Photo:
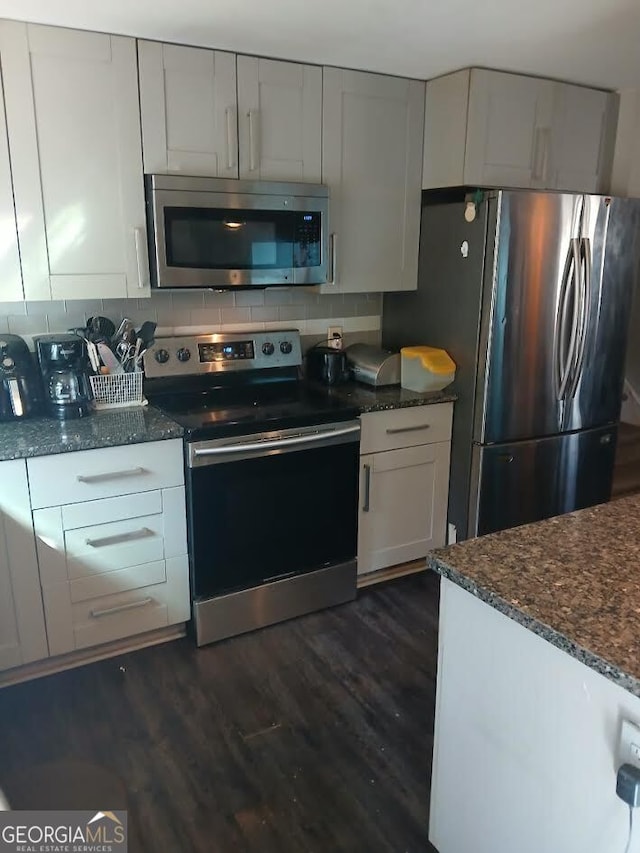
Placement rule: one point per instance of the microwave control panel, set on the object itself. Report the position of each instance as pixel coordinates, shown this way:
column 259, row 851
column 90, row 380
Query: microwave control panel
column 307, row 249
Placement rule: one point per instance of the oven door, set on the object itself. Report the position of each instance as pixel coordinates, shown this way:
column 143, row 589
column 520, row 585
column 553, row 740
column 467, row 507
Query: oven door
column 271, row 506
column 236, row 239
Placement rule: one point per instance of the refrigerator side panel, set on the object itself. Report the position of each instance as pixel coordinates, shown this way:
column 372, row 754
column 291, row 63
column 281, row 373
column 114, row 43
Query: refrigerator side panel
column 530, row 480
column 611, row 258
column 532, row 270
column 445, row 312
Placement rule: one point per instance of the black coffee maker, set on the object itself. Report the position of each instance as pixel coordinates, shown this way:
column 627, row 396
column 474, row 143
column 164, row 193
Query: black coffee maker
column 20, row 389
column 64, row 366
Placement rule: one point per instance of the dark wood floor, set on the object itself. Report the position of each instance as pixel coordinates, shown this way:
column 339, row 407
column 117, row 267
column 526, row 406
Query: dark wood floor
column 314, row 735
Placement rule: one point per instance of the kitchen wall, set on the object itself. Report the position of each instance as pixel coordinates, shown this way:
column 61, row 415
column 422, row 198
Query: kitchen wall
column 175, row 313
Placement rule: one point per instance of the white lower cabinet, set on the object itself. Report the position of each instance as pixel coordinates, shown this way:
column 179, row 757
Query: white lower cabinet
column 111, row 565
column 404, row 486
column 22, row 630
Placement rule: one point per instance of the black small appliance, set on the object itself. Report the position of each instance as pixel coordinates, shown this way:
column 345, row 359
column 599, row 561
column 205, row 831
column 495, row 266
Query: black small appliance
column 64, row 365
column 20, row 390
column 327, row 365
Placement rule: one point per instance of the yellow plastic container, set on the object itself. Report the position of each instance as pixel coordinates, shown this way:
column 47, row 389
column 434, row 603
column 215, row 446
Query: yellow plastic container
column 426, row 368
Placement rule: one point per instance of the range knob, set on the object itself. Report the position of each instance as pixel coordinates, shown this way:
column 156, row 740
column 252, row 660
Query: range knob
column 183, row 354
column 162, row 356
column 286, row 347
column 8, row 362
column 3, row 346
column 268, row 348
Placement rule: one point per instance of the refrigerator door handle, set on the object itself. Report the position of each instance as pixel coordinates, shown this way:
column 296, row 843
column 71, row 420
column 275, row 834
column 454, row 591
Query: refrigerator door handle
column 584, row 300
column 566, row 349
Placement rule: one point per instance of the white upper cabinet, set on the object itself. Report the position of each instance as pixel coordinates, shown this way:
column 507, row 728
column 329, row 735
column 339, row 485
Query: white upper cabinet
column 491, row 128
column 279, row 120
column 196, row 120
column 188, row 107
column 507, row 130
column 10, row 271
column 584, row 135
column 372, row 132
column 22, row 631
column 74, row 137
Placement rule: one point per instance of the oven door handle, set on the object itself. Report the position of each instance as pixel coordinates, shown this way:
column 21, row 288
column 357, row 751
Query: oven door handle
column 274, row 443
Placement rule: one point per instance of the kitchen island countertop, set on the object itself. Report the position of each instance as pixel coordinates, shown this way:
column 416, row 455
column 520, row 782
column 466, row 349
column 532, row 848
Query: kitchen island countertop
column 573, row 580
column 367, row 398
column 45, row 436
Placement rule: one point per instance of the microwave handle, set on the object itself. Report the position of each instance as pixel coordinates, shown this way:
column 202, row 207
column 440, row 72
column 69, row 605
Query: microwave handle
column 232, row 139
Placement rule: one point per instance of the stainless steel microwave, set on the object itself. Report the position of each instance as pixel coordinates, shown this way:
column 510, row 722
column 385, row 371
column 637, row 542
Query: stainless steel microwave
column 220, row 233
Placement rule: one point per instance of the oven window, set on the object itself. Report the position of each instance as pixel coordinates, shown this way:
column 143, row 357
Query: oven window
column 260, row 519
column 204, row 238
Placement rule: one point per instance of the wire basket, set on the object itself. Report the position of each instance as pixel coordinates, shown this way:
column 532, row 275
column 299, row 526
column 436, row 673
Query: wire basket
column 117, row 390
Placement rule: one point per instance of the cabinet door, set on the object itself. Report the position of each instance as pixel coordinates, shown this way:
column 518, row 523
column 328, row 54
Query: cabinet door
column 372, row 129
column 188, row 108
column 581, row 118
column 22, row 633
column 403, row 505
column 10, row 272
column 279, row 120
column 508, row 130
column 74, row 136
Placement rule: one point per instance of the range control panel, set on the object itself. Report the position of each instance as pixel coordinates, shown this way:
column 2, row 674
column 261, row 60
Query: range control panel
column 224, row 351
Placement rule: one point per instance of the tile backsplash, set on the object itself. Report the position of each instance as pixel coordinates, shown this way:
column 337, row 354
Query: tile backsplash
column 175, row 312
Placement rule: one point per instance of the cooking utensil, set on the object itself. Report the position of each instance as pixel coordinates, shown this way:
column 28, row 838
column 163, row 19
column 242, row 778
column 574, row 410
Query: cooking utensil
column 109, row 359
column 147, row 332
column 100, row 328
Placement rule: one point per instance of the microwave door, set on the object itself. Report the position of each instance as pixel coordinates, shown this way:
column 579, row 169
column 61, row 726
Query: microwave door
column 224, row 240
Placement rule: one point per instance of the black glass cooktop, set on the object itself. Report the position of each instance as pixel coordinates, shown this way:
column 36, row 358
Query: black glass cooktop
column 217, row 412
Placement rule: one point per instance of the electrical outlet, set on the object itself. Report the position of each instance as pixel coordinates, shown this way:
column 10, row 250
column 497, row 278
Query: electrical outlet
column 334, row 337
column 629, row 746
column 452, row 534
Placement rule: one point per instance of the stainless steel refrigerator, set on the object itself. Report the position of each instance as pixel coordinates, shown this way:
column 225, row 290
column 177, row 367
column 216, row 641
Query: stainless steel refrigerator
column 530, row 293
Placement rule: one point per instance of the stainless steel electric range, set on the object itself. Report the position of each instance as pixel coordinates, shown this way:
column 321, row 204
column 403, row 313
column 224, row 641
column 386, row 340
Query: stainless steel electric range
column 271, row 474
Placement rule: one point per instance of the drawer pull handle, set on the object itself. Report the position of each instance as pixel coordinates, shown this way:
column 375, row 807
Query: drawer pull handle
column 120, row 537
column 110, row 475
column 396, row 430
column 132, row 605
column 367, row 488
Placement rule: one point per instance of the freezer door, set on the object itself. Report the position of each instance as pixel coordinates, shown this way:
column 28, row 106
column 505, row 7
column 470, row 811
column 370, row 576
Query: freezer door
column 534, row 279
column 530, row 480
column 609, row 259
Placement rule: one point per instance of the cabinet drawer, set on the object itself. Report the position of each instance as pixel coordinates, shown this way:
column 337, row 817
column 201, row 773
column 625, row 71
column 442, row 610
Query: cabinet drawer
column 108, row 547
column 405, row 427
column 112, row 617
column 90, row 474
column 97, row 609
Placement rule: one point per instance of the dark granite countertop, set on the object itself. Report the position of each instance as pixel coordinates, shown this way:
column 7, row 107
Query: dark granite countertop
column 44, row 436
column 573, row 580
column 369, row 399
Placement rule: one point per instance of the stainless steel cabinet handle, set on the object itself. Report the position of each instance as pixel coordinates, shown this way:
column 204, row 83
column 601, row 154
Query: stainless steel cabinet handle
column 110, row 475
column 232, row 142
column 254, row 133
column 132, row 605
column 367, row 488
column 396, row 430
column 333, row 256
column 142, row 260
column 120, row 537
column 540, row 166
